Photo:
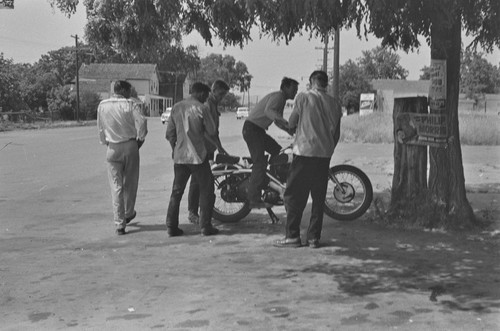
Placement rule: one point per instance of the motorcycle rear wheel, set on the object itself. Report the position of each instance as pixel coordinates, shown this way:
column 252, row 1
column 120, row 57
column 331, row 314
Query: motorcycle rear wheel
column 224, row 211
column 352, row 197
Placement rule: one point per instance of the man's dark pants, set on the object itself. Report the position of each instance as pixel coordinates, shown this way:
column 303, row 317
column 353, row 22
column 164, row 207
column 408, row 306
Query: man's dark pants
column 258, row 142
column 203, row 175
column 194, row 192
column 307, row 174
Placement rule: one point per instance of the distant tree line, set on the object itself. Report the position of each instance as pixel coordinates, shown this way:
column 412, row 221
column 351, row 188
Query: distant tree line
column 46, row 85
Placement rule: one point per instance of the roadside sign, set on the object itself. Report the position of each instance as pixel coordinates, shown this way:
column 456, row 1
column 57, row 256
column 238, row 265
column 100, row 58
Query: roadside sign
column 366, row 103
column 423, row 129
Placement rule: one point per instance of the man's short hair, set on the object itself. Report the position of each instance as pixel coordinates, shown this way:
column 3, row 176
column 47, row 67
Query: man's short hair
column 199, row 87
column 121, row 85
column 221, row 85
column 320, row 76
column 287, row 82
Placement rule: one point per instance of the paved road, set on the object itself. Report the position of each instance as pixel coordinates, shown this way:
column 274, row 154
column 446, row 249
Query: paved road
column 62, row 267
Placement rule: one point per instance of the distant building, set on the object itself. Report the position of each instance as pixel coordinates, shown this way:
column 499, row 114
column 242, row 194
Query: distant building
column 390, row 89
column 144, row 77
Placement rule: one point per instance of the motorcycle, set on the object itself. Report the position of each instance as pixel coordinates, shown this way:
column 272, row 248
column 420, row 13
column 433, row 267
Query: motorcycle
column 349, row 192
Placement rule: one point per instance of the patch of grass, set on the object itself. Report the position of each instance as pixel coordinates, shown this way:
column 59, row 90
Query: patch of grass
column 475, row 129
column 371, row 128
column 479, row 129
column 10, row 126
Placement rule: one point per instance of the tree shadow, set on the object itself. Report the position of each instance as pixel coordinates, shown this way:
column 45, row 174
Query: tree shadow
column 462, row 268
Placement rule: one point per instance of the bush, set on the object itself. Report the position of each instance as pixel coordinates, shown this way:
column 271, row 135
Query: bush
column 89, row 101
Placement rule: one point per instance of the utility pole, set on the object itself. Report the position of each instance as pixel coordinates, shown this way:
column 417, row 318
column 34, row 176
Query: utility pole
column 336, row 60
column 325, row 53
column 77, row 80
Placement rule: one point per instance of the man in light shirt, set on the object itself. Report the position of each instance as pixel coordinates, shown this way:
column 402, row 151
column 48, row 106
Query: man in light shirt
column 316, row 117
column 123, row 128
column 268, row 110
column 188, row 125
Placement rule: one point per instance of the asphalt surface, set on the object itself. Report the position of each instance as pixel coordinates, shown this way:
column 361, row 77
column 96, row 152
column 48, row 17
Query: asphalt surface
column 62, row 266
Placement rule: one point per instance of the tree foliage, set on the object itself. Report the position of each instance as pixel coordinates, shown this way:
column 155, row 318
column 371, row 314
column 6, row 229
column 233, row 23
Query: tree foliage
column 9, row 85
column 146, row 31
column 397, row 23
column 89, row 101
column 355, row 77
column 63, row 102
column 225, row 67
column 352, row 82
column 382, row 63
column 477, row 75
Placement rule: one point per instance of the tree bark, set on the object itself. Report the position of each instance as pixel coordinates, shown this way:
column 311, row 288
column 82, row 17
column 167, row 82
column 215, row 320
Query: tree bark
column 410, row 161
column 446, row 173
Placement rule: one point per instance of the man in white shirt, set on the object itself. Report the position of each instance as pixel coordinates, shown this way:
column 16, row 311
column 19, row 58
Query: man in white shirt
column 122, row 128
column 316, row 117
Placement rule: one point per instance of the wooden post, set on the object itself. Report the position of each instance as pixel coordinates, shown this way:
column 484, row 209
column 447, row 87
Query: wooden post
column 410, row 161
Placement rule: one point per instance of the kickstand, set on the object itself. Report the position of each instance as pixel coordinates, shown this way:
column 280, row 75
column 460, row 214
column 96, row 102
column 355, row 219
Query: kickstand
column 274, row 218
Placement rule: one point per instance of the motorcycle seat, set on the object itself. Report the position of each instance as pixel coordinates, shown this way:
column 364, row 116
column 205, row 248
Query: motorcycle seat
column 279, row 159
column 225, row 158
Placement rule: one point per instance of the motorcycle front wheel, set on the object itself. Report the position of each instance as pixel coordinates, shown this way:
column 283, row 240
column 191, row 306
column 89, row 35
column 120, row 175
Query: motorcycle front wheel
column 349, row 193
column 226, row 211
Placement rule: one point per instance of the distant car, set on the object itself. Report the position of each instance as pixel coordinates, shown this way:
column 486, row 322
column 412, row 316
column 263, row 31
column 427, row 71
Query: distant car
column 242, row 112
column 166, row 115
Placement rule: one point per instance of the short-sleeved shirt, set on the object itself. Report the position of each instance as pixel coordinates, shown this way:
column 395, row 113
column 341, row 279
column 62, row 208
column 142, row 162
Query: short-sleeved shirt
column 316, row 115
column 189, row 121
column 268, row 109
column 119, row 120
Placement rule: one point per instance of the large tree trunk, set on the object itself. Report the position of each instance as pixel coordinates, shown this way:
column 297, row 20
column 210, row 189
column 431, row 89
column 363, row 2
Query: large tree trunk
column 446, row 173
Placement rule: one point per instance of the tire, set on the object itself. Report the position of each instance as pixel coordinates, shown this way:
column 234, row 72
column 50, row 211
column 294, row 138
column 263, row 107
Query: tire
column 355, row 198
column 224, row 211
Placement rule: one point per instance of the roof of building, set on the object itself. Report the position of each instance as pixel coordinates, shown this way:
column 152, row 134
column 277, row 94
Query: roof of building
column 402, row 87
column 115, row 71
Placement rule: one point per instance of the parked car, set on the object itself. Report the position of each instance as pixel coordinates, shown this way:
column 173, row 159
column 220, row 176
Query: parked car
column 242, row 112
column 166, row 115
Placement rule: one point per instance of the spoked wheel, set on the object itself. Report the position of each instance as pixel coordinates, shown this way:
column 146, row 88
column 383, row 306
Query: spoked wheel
column 226, row 210
column 349, row 193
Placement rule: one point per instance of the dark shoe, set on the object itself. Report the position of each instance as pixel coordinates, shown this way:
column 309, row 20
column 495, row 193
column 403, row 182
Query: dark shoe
column 288, row 242
column 258, row 204
column 210, row 231
column 193, row 218
column 174, row 232
column 120, row 232
column 313, row 243
column 129, row 219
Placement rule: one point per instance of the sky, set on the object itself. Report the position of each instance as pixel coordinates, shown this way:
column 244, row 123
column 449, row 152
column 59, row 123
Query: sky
column 33, row 28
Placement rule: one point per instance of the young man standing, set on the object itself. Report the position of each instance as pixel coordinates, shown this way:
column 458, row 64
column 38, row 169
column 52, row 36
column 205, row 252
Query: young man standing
column 219, row 91
column 122, row 127
column 316, row 117
column 189, row 123
column 268, row 110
